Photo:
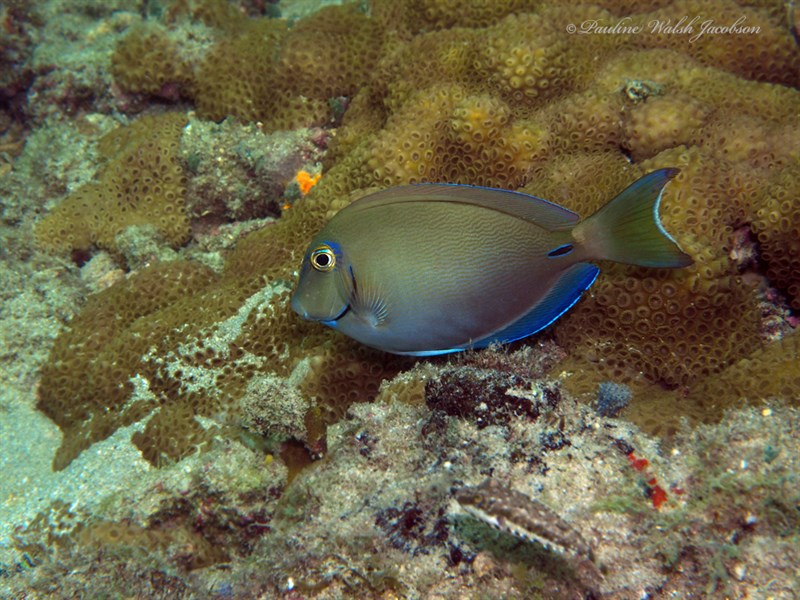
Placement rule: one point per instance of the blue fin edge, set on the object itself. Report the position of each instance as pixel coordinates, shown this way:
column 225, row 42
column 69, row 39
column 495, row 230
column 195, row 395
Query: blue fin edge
column 563, row 296
column 565, row 293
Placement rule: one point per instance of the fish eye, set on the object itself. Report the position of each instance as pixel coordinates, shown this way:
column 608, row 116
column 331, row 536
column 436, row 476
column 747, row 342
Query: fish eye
column 323, row 259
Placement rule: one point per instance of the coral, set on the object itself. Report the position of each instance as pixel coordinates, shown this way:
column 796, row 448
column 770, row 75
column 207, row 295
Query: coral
column 587, row 122
column 180, row 370
column 525, row 60
column 612, row 398
column 238, row 172
column 343, row 373
column 456, row 138
column 146, row 61
column 661, row 123
column 399, row 74
column 101, row 343
column 413, row 150
column 220, row 14
column 141, row 183
column 776, row 227
column 748, row 378
column 339, row 62
column 440, row 14
column 226, row 84
column 270, row 74
column 187, row 356
column 372, row 518
column 496, row 94
column 757, row 48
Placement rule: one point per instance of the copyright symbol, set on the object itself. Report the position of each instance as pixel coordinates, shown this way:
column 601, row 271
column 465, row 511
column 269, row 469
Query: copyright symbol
column 571, row 28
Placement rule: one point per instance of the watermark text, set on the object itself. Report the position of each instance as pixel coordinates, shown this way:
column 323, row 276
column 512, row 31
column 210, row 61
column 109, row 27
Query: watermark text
column 693, row 27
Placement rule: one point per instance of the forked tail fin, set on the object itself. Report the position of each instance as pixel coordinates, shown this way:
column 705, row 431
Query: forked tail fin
column 628, row 230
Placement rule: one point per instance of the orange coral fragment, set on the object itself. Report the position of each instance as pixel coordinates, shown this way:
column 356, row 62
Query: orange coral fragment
column 306, row 181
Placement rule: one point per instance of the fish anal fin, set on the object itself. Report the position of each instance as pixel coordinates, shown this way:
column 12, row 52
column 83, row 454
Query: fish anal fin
column 561, row 297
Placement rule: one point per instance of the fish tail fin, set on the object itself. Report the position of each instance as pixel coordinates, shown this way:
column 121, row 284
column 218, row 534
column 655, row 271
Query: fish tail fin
column 628, row 230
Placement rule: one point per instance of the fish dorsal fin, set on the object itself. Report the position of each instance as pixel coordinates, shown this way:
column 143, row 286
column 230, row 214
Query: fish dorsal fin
column 563, row 295
column 523, row 206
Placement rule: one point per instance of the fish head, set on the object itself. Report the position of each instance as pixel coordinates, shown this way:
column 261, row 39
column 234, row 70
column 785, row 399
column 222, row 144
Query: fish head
column 325, row 287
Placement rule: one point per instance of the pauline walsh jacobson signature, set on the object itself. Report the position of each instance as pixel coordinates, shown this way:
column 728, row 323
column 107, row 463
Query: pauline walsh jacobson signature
column 695, row 27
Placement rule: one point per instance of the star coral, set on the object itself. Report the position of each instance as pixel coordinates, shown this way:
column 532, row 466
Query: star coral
column 142, row 183
column 470, row 93
column 268, row 72
column 146, row 61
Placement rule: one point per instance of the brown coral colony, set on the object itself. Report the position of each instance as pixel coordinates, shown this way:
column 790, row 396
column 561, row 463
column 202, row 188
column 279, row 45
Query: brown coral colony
column 488, row 93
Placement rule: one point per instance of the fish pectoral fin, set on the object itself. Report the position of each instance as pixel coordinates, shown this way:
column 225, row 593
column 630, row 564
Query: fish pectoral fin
column 562, row 296
column 369, row 302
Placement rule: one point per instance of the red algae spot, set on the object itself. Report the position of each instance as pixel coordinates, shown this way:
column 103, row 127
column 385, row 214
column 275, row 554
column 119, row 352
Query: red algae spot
column 655, row 492
column 639, row 464
column 657, row 495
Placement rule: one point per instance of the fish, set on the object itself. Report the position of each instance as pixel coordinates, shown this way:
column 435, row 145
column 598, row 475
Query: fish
column 529, row 520
column 434, row 268
column 523, row 517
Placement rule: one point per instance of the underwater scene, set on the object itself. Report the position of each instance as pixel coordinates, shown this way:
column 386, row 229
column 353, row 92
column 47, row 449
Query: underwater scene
column 400, row 299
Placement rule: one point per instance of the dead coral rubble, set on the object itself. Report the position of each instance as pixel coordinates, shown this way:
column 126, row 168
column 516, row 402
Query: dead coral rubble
column 376, row 516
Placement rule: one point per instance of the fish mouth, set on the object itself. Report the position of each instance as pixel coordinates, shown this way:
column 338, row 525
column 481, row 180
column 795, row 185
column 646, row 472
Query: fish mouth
column 332, row 322
column 303, row 312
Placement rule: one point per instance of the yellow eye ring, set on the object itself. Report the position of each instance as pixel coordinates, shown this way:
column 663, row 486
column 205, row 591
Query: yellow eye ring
column 323, row 259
